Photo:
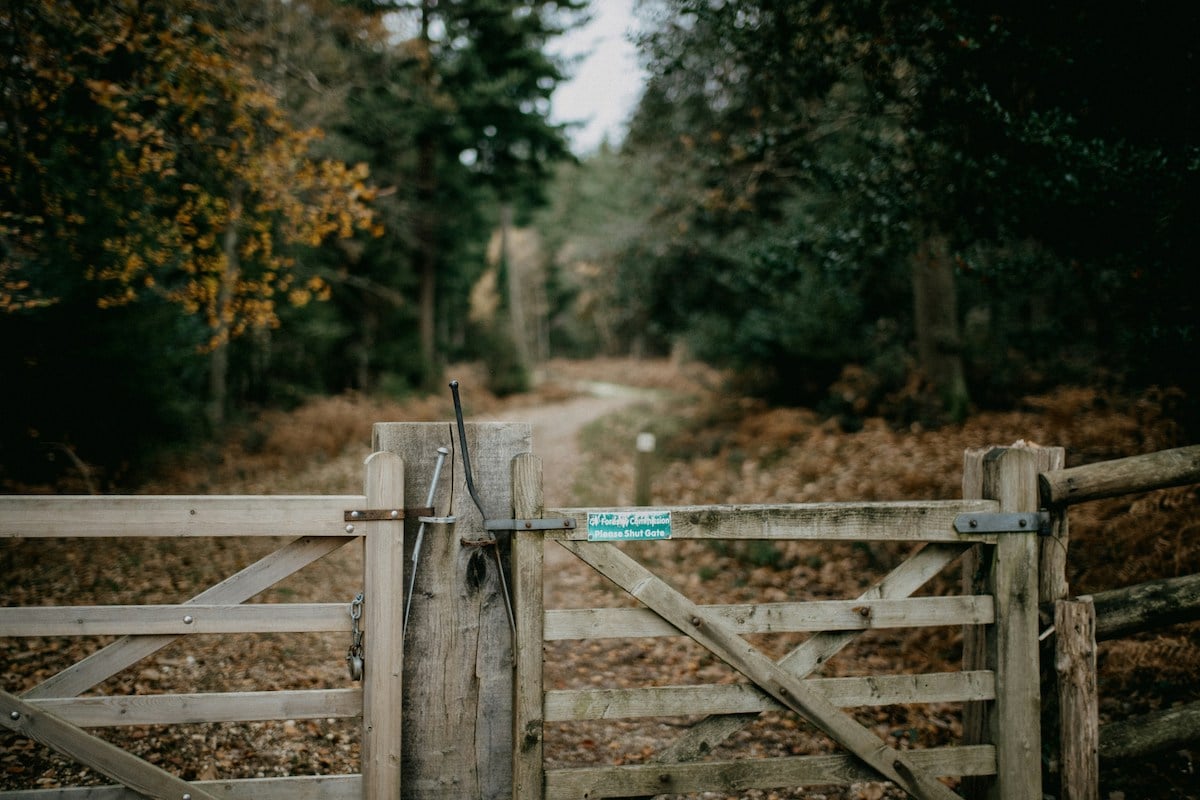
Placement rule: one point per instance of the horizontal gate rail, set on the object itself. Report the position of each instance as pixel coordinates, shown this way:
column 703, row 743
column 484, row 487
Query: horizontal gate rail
column 653, row 779
column 43, row 517
column 563, row 705
column 173, row 619
column 850, row 522
column 183, row 709
column 826, row 615
column 306, row 787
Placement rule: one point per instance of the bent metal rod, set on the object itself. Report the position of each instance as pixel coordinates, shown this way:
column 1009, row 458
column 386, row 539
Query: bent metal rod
column 466, row 459
column 416, row 556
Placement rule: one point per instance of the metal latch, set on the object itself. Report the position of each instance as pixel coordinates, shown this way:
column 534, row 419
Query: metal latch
column 549, row 524
column 985, row 522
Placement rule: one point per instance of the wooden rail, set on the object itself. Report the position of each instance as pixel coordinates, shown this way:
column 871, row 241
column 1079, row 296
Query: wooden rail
column 1121, row 476
column 1081, row 622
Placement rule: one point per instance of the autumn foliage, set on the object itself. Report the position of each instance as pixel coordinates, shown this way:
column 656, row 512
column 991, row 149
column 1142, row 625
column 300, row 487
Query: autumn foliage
column 144, row 155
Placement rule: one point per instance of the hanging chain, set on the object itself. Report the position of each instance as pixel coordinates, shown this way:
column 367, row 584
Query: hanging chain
column 354, row 656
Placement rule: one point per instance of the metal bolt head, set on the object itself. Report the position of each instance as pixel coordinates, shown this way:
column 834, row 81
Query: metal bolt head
column 355, row 514
column 974, row 523
column 395, row 514
column 188, row 620
column 349, row 529
column 15, row 715
column 186, row 796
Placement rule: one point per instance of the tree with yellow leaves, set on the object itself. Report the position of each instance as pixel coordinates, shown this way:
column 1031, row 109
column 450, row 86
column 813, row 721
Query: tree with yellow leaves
column 140, row 153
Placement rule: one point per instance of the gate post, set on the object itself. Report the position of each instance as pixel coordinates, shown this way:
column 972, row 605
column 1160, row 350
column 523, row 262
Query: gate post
column 528, row 565
column 1008, row 570
column 458, row 659
column 383, row 609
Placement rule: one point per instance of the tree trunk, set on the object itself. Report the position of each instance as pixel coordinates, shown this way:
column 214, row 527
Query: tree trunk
column 218, row 363
column 939, row 347
column 426, row 224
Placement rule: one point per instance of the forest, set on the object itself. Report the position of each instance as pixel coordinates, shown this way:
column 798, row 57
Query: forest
column 212, row 209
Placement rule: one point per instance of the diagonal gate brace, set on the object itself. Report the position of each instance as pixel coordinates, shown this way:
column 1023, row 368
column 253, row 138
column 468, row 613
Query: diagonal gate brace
column 717, row 636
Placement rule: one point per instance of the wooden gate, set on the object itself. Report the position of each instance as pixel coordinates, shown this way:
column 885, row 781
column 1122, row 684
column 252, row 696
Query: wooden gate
column 1009, row 686
column 55, row 714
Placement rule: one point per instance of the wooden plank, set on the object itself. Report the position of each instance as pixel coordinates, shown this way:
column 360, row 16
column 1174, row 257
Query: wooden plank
column 905, row 579
column 179, row 709
column 565, row 705
column 714, row 635
column 458, row 687
column 237, row 588
column 931, row 521
column 529, row 607
column 1142, row 473
column 90, row 516
column 1014, row 723
column 1079, row 703
column 825, row 615
column 383, row 619
column 974, row 637
column 109, row 760
column 314, row 787
column 173, row 619
column 745, row 774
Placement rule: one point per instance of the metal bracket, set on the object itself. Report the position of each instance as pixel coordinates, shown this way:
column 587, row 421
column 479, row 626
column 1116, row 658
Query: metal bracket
column 549, row 524
column 983, row 522
column 386, row 514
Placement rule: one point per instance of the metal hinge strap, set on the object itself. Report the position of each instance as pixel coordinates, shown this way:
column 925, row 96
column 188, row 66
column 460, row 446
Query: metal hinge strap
column 386, row 514
column 549, row 524
column 984, row 522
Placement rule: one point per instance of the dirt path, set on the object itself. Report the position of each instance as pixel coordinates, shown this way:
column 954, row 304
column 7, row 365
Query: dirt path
column 557, row 428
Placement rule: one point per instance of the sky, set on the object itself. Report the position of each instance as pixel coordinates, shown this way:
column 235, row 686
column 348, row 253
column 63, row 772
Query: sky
column 606, row 84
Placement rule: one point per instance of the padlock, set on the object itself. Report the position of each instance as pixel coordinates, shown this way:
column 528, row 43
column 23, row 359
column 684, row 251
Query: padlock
column 355, row 662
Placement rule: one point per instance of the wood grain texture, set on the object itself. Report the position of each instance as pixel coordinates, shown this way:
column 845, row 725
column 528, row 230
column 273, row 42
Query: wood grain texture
column 656, row 779
column 931, row 521
column 458, row 666
column 743, row 698
column 528, row 564
column 382, row 618
column 827, row 615
column 1079, row 703
column 181, row 709
column 85, row 516
column 1143, row 473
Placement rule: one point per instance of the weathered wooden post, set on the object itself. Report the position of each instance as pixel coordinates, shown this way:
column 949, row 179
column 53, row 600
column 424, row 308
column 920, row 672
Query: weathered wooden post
column 528, row 559
column 1009, row 571
column 1078, row 701
column 458, row 659
column 383, row 581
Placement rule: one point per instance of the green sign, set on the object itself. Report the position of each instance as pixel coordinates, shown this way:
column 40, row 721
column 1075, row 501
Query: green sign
column 628, row 526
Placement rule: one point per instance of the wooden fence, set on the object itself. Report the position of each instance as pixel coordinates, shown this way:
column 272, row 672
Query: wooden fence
column 1082, row 621
column 460, row 711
